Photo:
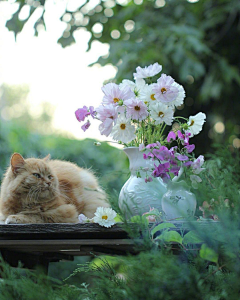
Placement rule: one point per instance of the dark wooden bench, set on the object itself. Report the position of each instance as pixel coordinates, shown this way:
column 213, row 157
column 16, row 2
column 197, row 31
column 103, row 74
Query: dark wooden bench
column 39, row 244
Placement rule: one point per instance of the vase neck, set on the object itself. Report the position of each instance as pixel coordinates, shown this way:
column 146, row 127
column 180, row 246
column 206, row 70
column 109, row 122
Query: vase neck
column 136, row 160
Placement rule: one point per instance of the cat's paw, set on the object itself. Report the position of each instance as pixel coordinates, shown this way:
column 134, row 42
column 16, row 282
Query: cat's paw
column 12, row 219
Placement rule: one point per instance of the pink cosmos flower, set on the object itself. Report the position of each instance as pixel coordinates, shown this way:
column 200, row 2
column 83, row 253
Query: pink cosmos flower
column 113, row 94
column 107, row 111
column 106, row 126
column 107, row 114
column 136, row 109
column 147, row 72
column 86, row 126
column 164, row 89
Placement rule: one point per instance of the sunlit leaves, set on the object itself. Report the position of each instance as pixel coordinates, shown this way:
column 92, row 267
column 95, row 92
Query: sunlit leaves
column 208, row 253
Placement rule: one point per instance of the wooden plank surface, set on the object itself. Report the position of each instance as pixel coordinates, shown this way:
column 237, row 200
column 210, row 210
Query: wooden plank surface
column 56, row 231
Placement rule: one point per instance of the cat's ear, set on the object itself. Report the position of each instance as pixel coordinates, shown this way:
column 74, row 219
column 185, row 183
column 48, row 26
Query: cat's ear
column 17, row 161
column 47, row 158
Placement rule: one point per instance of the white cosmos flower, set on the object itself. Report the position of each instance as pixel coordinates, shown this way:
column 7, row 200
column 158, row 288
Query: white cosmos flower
column 181, row 95
column 162, row 113
column 146, row 72
column 147, row 95
column 134, row 86
column 123, row 131
column 104, row 216
column 196, row 123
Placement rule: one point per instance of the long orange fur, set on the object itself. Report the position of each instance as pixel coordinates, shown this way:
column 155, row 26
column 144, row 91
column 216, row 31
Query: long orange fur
column 48, row 191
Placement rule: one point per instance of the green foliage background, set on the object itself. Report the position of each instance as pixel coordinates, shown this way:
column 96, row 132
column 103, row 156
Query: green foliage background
column 198, row 45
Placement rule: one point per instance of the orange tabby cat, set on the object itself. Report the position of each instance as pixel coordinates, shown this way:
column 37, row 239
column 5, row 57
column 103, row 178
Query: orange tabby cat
column 48, row 191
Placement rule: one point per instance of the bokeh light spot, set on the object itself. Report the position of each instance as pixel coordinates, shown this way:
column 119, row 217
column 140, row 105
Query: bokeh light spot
column 129, row 26
column 160, row 3
column 219, row 127
column 115, row 34
column 108, row 12
column 236, row 143
column 97, row 28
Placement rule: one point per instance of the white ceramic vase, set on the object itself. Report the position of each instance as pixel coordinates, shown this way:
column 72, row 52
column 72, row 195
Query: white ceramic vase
column 178, row 202
column 136, row 196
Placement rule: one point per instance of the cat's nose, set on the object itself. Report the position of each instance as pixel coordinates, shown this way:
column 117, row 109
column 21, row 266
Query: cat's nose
column 48, row 183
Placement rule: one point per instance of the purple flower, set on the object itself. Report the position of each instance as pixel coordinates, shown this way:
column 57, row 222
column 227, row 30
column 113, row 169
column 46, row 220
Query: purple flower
column 197, row 165
column 190, row 148
column 162, row 153
column 86, row 126
column 150, row 146
column 82, row 113
column 187, row 163
column 182, row 157
column 136, row 109
column 171, row 136
column 180, row 135
column 148, row 179
column 184, row 137
column 173, row 150
column 164, row 89
column 175, row 170
column 146, row 156
column 92, row 112
column 161, row 170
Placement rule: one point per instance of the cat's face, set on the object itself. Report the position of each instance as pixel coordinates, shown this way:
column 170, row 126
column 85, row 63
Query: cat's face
column 34, row 178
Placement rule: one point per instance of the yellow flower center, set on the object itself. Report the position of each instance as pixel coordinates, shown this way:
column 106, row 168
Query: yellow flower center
column 161, row 114
column 104, row 217
column 152, row 97
column 115, row 100
column 192, row 122
column 137, row 107
column 122, row 126
column 163, row 90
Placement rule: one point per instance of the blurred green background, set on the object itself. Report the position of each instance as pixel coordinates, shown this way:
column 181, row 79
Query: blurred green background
column 197, row 42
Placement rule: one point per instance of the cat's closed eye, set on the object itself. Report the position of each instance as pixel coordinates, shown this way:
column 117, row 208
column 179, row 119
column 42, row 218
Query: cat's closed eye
column 36, row 175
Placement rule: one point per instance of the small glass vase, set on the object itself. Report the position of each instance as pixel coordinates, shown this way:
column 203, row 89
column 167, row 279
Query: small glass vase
column 178, row 202
column 136, row 196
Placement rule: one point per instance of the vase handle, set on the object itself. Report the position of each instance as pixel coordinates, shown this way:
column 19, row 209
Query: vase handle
column 176, row 178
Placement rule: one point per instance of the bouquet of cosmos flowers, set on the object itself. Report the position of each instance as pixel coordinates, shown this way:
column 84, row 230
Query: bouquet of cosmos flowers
column 136, row 113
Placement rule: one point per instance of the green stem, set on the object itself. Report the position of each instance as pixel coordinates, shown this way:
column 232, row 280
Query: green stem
column 181, row 118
